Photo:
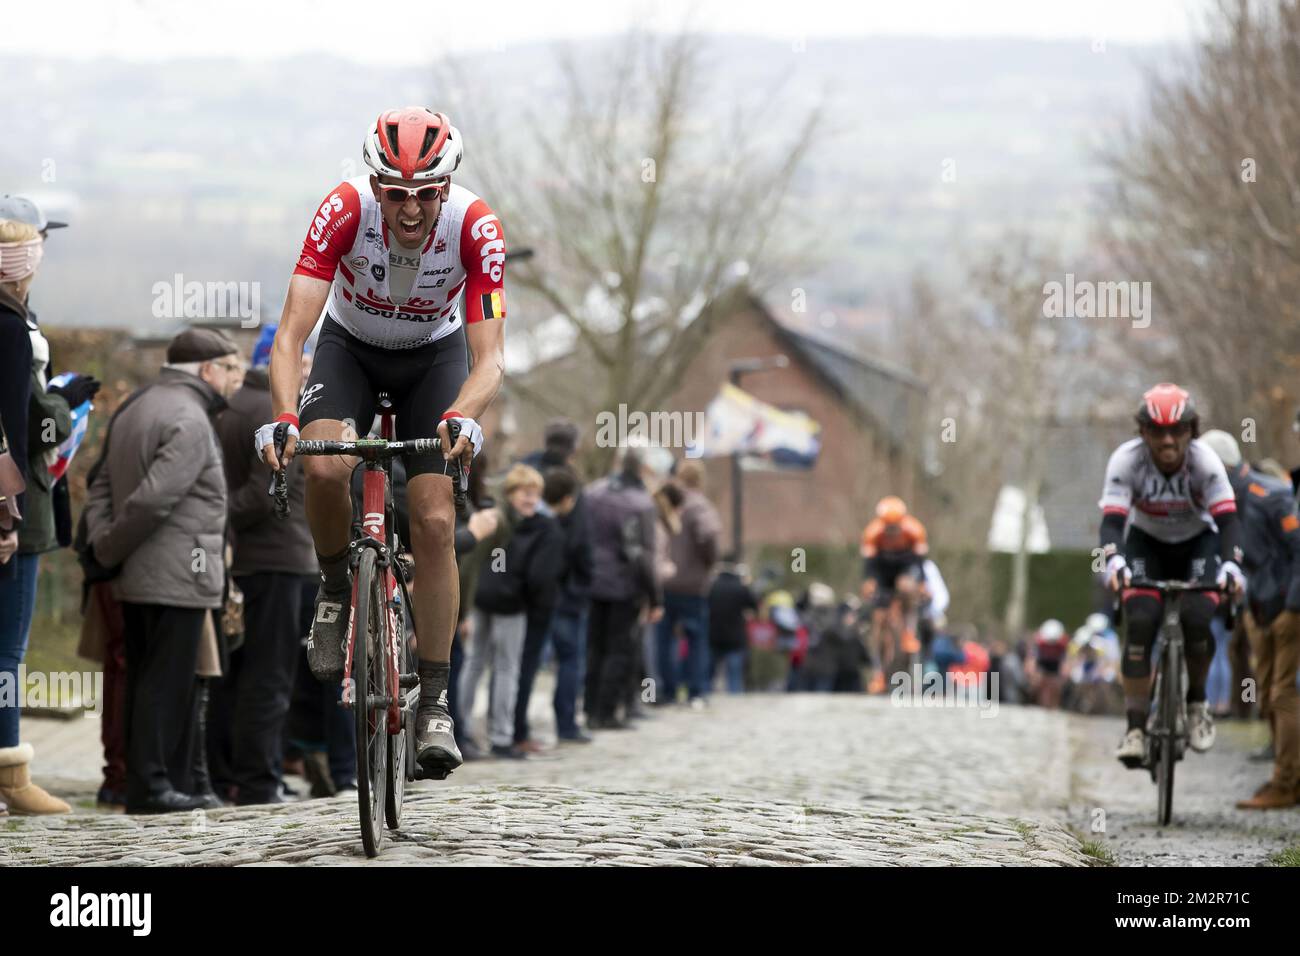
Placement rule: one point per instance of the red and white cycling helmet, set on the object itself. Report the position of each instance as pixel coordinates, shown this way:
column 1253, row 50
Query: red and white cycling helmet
column 414, row 143
column 1166, row 404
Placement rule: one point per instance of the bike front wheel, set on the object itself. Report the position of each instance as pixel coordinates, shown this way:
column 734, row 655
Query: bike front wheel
column 401, row 744
column 369, row 708
column 1169, row 706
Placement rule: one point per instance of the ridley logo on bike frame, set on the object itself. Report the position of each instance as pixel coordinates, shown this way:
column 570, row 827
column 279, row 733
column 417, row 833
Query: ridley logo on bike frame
column 374, row 523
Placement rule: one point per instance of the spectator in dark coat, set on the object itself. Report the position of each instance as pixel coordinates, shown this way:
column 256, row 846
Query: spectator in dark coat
column 568, row 631
column 625, row 584
column 1271, row 544
column 559, row 496
column 694, row 550
column 157, row 509
column 274, row 563
column 731, row 604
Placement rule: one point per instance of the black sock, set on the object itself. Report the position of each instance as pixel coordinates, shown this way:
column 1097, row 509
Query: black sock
column 1137, row 719
column 334, row 570
column 434, row 676
column 1196, row 695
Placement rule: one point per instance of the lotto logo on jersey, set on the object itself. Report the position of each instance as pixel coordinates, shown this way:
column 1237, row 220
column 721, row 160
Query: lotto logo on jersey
column 493, row 250
column 494, row 305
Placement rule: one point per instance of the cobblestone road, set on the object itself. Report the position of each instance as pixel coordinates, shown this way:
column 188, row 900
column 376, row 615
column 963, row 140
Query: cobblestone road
column 755, row 780
column 1206, row 830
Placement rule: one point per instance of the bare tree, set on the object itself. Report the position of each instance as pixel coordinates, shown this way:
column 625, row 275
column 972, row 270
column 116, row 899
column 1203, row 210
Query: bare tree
column 1002, row 374
column 1206, row 205
column 641, row 212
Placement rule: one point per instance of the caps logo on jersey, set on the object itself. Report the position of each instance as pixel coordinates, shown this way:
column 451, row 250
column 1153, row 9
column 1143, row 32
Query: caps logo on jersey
column 308, row 262
column 360, row 262
column 494, row 305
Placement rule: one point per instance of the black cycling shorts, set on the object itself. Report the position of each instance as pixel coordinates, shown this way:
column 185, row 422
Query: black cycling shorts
column 887, row 567
column 347, row 376
column 1196, row 559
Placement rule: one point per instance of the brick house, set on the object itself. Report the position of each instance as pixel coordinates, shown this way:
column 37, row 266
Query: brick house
column 869, row 414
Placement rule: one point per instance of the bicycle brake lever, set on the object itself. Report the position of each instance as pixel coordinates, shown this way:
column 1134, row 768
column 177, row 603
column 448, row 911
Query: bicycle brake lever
column 280, row 479
column 459, row 475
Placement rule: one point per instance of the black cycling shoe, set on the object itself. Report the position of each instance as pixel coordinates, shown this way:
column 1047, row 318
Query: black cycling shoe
column 327, row 640
column 435, row 744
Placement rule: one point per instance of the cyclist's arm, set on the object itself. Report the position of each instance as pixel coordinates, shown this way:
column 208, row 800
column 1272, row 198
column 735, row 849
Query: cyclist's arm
column 1116, row 499
column 1229, row 536
column 483, row 248
column 302, row 308
column 486, row 341
column 1223, row 509
column 329, row 236
column 1112, row 532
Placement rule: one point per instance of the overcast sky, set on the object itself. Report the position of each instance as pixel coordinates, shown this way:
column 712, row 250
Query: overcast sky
column 147, row 29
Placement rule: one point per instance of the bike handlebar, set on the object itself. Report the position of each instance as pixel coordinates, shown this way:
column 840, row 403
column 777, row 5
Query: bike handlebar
column 1155, row 585
column 368, row 449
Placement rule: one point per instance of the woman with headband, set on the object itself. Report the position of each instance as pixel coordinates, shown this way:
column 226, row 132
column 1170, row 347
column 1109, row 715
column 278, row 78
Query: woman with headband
column 21, row 248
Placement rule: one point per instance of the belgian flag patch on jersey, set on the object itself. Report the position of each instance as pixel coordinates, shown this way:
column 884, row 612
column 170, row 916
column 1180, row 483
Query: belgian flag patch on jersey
column 494, row 305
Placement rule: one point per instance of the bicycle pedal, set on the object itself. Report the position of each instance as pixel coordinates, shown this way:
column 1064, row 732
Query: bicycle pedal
column 422, row 774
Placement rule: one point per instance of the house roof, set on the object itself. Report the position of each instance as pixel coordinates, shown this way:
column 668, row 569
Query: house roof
column 881, row 393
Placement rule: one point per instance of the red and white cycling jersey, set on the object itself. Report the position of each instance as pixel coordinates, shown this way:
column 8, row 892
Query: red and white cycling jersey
column 348, row 245
column 1170, row 508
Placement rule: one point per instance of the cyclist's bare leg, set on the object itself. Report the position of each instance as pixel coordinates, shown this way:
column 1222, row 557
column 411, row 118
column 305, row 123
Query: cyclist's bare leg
column 329, row 501
column 437, row 599
column 329, row 516
column 1137, row 690
column 878, row 635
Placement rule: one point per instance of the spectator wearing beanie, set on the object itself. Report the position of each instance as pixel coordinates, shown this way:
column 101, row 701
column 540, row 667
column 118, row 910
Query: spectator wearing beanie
column 156, row 510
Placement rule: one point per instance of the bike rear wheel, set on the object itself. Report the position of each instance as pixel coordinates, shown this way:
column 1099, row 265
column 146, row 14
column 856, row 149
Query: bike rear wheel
column 370, row 674
column 1168, row 707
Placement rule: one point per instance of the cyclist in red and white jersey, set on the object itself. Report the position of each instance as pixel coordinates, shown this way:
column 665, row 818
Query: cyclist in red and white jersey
column 387, row 258
column 1172, row 494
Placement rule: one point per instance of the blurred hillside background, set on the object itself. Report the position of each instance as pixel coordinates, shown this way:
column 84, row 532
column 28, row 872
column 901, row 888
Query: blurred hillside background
column 894, row 186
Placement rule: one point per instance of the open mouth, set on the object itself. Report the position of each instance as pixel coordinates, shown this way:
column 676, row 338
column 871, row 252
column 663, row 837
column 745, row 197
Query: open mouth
column 409, row 230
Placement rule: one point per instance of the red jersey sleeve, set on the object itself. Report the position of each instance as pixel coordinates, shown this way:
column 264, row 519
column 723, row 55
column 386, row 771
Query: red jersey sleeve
column 483, row 255
column 331, row 233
